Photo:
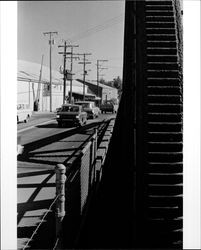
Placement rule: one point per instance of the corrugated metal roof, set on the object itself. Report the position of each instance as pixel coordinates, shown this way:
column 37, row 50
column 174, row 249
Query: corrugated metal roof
column 29, row 71
column 100, row 84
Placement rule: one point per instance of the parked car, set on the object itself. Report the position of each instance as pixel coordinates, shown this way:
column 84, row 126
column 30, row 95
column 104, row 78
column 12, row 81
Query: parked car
column 71, row 114
column 24, row 112
column 108, row 107
column 92, row 110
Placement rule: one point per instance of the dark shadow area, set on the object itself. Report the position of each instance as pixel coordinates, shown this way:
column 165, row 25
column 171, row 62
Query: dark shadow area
column 25, row 232
column 45, row 161
column 53, row 125
column 45, row 236
column 35, row 173
column 34, row 205
column 108, row 223
column 72, row 218
column 35, row 185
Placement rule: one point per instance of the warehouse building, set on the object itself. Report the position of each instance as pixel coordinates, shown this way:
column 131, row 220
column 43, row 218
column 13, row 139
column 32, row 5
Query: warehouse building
column 104, row 92
column 33, row 85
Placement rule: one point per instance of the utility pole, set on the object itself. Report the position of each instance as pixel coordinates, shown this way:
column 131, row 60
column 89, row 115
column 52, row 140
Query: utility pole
column 84, row 70
column 99, row 68
column 71, row 67
column 64, row 70
column 51, row 41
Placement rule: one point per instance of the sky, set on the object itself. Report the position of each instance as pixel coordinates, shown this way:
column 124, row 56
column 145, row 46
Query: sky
column 96, row 26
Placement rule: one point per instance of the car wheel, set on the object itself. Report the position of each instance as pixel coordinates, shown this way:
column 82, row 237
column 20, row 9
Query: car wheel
column 59, row 124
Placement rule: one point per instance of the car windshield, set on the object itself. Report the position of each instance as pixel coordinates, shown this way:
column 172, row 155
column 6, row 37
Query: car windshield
column 70, row 108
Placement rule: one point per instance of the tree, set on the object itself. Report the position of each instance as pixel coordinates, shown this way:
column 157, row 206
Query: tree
column 117, row 82
column 103, row 81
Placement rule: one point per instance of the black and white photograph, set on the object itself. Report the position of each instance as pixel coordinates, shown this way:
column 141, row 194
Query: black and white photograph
column 100, row 125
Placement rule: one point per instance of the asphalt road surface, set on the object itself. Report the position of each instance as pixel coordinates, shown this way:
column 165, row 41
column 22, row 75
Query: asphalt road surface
column 44, row 125
column 45, row 144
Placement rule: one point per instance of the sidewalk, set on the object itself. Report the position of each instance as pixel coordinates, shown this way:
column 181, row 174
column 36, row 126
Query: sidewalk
column 35, row 192
column 37, row 118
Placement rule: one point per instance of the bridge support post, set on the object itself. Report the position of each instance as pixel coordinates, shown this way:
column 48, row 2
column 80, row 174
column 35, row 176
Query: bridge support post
column 60, row 171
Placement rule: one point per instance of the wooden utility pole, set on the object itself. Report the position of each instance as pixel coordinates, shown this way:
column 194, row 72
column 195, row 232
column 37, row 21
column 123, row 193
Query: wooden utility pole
column 99, row 68
column 51, row 41
column 71, row 68
column 64, row 70
column 84, row 70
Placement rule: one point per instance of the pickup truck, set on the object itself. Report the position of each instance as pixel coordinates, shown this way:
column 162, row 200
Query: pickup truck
column 108, row 107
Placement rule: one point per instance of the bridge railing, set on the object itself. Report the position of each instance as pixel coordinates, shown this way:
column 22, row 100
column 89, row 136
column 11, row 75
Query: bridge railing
column 83, row 174
column 76, row 180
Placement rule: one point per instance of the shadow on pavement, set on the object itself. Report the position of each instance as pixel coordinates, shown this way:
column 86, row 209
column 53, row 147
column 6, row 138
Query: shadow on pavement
column 35, row 173
column 28, row 154
column 50, row 125
column 30, row 204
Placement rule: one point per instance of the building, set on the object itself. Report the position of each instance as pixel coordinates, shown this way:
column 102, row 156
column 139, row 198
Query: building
column 30, row 87
column 104, row 92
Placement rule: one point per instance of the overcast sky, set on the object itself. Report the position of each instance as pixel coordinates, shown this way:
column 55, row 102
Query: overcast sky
column 96, row 26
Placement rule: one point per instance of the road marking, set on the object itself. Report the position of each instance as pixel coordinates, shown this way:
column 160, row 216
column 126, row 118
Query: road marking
column 24, row 129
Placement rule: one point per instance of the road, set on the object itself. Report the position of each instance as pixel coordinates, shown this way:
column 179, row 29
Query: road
column 44, row 125
column 45, row 145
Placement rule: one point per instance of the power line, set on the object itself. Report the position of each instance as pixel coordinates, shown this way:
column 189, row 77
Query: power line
column 98, row 28
column 92, row 29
